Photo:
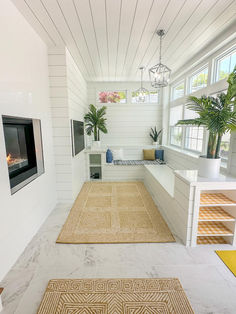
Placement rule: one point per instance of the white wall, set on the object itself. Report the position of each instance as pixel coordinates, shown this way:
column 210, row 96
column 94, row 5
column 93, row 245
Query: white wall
column 68, row 93
column 78, row 106
column 128, row 124
column 23, row 92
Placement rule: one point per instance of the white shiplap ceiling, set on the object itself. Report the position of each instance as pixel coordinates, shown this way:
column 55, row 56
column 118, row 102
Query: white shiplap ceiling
column 110, row 39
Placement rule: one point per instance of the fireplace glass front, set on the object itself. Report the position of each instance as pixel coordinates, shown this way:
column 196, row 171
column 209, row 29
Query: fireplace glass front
column 21, row 153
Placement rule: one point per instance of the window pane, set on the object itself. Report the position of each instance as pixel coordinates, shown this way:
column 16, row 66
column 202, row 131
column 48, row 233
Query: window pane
column 178, row 91
column 176, row 114
column 224, row 147
column 112, row 97
column 152, row 97
column 198, row 80
column 189, row 114
column 176, row 135
column 225, row 65
column 194, row 138
column 232, row 62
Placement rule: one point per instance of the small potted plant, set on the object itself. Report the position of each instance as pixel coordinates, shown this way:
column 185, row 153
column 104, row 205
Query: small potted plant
column 218, row 116
column 95, row 122
column 154, row 134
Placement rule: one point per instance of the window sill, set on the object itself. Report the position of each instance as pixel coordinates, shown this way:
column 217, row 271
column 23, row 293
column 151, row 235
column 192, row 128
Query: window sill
column 182, row 151
column 223, row 166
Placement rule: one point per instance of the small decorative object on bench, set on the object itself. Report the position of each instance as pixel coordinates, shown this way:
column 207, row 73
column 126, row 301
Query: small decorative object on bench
column 149, row 154
column 118, row 154
column 159, row 154
column 109, row 156
column 1, row 290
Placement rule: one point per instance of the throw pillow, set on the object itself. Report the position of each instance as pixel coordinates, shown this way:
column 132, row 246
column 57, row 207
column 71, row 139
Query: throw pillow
column 118, row 154
column 159, row 154
column 149, row 154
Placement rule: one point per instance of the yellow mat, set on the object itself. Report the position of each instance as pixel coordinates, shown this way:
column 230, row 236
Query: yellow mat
column 114, row 212
column 229, row 258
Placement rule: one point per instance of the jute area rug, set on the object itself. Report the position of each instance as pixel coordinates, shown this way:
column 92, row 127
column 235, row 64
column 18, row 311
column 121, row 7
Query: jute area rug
column 115, row 296
column 117, row 212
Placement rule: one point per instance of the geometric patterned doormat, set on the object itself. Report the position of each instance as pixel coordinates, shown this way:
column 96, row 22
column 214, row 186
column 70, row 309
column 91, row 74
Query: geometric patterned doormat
column 114, row 212
column 118, row 296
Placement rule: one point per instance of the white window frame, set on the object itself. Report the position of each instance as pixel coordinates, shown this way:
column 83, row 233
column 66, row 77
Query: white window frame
column 150, row 91
column 198, row 71
column 216, row 60
column 174, row 86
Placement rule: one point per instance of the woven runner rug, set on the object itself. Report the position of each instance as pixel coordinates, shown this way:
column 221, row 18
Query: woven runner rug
column 117, row 212
column 118, row 296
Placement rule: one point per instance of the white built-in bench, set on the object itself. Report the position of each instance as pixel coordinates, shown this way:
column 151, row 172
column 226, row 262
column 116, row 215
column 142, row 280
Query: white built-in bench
column 175, row 192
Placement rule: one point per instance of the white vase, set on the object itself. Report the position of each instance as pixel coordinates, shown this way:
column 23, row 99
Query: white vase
column 96, row 144
column 154, row 143
column 208, row 167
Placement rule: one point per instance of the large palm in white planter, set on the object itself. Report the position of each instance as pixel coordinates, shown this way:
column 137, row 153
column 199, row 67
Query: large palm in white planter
column 95, row 122
column 218, row 116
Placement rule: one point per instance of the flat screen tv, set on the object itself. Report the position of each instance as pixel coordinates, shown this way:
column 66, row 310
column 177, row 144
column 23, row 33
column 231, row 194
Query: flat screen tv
column 77, row 131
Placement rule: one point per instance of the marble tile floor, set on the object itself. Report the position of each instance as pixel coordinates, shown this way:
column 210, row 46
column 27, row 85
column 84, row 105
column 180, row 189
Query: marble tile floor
column 209, row 285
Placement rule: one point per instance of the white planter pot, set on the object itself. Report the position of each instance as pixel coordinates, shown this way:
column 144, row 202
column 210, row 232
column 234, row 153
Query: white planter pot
column 155, row 143
column 96, row 144
column 208, row 167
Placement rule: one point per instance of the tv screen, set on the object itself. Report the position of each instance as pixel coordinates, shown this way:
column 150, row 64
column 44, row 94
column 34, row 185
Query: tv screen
column 77, row 136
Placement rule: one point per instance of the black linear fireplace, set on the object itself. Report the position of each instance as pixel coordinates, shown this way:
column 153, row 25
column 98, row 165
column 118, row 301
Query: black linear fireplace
column 23, row 150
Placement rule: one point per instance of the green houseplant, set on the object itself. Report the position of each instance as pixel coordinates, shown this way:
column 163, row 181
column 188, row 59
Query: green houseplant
column 218, row 116
column 154, row 134
column 95, row 122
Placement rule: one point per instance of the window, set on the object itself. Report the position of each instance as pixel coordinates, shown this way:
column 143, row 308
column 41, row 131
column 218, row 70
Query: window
column 176, row 132
column 225, row 65
column 152, row 97
column 178, row 91
column 112, row 97
column 194, row 138
column 193, row 135
column 198, row 80
column 224, row 147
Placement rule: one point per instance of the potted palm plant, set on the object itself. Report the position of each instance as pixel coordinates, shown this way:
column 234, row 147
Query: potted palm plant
column 95, row 122
column 218, row 116
column 154, row 134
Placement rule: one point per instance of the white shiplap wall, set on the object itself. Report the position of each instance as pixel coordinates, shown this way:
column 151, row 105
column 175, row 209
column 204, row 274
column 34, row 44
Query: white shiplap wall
column 128, row 124
column 77, row 104
column 68, row 100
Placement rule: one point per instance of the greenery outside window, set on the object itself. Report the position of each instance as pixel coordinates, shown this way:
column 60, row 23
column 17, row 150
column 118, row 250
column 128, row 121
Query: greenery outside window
column 198, row 80
column 224, row 65
column 178, row 91
column 112, row 97
column 152, row 97
column 224, row 147
column 176, row 134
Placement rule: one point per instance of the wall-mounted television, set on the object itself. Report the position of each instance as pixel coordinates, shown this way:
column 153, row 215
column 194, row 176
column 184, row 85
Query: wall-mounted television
column 77, row 132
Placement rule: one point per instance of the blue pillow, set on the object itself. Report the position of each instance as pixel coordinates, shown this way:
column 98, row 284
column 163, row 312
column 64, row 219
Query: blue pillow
column 159, row 154
column 109, row 157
